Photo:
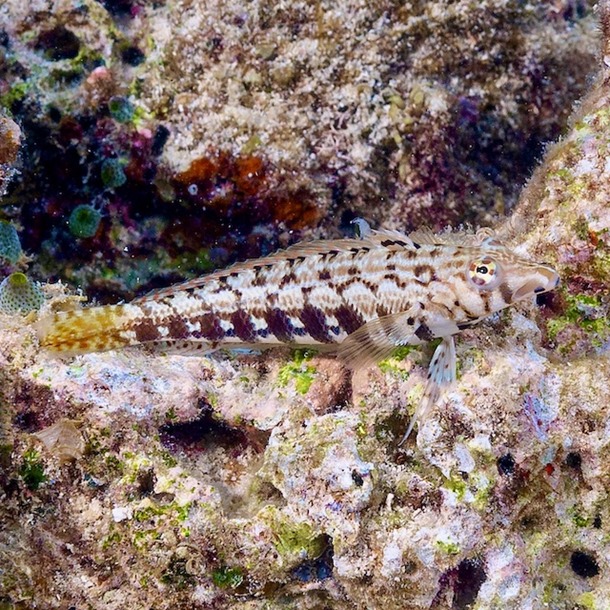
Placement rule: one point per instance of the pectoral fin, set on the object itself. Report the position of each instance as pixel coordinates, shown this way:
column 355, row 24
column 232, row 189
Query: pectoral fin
column 441, row 375
column 378, row 338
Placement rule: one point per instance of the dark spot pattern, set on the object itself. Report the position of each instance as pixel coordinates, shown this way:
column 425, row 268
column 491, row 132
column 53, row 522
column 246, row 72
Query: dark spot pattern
column 260, row 279
column 289, row 278
column 243, row 327
column 279, row 325
column 349, row 319
column 424, row 333
column 381, row 310
column 506, row 293
column 315, row 324
column 147, row 330
column 424, row 274
column 177, row 328
column 486, row 298
column 210, row 327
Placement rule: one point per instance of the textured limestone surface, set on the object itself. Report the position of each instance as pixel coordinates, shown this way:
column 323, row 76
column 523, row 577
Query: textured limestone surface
column 133, row 480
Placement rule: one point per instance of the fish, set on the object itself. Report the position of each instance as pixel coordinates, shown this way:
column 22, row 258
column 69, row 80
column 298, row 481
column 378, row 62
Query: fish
column 360, row 297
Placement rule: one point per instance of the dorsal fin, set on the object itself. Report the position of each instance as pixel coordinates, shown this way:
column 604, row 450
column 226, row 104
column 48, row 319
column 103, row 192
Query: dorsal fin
column 459, row 238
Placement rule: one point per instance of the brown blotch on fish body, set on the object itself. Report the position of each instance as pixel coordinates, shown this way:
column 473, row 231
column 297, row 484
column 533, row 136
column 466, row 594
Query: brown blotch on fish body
column 424, row 274
column 506, row 293
column 279, row 324
column 243, row 327
column 177, row 327
column 314, row 321
column 147, row 330
column 424, row 333
column 349, row 319
column 211, row 328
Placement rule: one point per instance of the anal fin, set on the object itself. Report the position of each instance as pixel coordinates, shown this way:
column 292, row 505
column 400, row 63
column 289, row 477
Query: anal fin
column 441, row 375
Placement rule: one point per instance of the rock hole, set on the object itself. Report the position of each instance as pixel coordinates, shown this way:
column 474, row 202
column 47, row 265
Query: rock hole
column 202, row 433
column 58, row 43
column 469, row 578
column 317, row 569
column 584, row 565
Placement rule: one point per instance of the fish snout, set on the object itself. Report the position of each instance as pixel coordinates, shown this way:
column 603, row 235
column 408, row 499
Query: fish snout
column 542, row 280
column 550, row 277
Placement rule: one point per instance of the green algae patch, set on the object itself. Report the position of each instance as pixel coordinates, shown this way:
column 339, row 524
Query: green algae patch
column 111, row 540
column 150, row 520
column 585, row 311
column 31, row 470
column 227, row 578
column 587, row 600
column 293, row 540
column 299, row 371
column 578, row 518
column 177, row 513
column 447, row 547
column 15, row 94
column 394, row 364
column 457, row 485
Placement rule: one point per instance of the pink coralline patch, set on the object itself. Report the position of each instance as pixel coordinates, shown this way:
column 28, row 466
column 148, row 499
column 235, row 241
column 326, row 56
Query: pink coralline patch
column 331, row 387
column 577, row 251
column 99, row 85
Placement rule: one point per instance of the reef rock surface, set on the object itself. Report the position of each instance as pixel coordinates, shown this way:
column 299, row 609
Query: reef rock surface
column 132, row 480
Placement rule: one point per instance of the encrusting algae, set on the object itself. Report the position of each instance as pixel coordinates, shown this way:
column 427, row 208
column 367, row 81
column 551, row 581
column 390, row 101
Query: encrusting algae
column 360, row 297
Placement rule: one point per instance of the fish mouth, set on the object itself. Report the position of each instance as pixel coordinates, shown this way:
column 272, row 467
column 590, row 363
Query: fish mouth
column 546, row 279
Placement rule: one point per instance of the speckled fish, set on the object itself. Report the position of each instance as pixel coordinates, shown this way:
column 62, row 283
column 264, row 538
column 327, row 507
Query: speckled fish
column 361, row 297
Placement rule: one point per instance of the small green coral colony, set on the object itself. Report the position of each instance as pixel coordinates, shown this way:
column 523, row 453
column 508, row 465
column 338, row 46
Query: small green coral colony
column 84, row 221
column 10, row 246
column 121, row 109
column 19, row 295
column 112, row 173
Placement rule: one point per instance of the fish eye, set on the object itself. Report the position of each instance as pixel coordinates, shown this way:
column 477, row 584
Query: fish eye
column 484, row 273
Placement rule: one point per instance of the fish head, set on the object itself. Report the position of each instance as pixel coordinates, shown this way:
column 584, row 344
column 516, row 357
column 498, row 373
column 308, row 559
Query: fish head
column 506, row 277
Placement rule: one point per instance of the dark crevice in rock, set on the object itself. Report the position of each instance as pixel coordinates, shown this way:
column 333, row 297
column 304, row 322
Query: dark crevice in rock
column 584, row 565
column 58, row 43
column 202, row 433
column 317, row 569
column 469, row 578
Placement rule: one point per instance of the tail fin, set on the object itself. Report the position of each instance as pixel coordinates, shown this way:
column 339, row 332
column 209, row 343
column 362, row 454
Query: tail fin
column 86, row 330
